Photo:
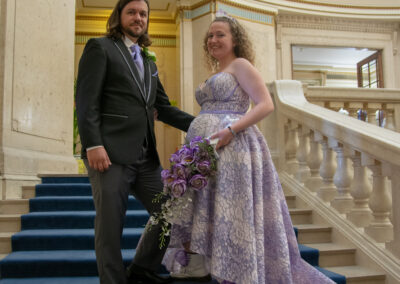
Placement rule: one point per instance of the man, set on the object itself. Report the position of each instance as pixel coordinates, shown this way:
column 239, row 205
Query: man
column 118, row 90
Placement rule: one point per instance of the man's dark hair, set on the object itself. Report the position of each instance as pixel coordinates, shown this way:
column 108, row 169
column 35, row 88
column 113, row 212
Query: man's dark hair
column 114, row 29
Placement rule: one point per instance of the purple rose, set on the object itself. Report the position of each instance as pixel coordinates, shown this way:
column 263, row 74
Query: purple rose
column 165, row 174
column 187, row 159
column 198, row 182
column 178, row 188
column 167, row 177
column 202, row 155
column 203, row 167
column 179, row 170
column 195, row 141
column 175, row 158
column 185, row 150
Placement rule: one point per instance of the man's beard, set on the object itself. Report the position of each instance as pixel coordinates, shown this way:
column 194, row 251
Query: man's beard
column 134, row 34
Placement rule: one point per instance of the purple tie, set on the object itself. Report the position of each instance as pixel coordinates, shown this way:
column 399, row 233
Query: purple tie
column 137, row 58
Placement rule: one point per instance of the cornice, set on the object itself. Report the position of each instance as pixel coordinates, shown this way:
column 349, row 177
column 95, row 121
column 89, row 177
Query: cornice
column 158, row 40
column 334, row 23
column 334, row 9
column 345, row 6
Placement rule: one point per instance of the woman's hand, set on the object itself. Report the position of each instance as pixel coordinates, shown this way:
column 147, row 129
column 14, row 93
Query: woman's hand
column 225, row 136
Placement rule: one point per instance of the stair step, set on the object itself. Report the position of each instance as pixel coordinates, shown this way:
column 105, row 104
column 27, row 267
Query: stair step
column 64, row 189
column 10, row 223
column 14, row 206
column 312, row 233
column 291, row 200
column 301, row 216
column 53, row 263
column 76, row 220
column 5, row 242
column 74, row 280
column 359, row 274
column 72, row 203
column 28, row 192
column 64, row 178
column 332, row 254
column 67, row 239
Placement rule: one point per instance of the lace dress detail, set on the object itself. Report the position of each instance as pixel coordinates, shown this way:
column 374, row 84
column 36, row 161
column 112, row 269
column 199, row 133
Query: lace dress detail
column 240, row 222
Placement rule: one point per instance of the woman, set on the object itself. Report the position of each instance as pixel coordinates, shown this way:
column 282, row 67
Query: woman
column 238, row 229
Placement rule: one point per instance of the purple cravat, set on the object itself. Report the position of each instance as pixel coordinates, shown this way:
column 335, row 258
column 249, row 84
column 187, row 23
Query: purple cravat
column 137, row 58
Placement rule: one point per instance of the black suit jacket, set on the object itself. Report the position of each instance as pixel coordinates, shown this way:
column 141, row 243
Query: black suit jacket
column 114, row 108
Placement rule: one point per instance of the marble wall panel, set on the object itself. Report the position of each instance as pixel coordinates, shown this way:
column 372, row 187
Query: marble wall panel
column 43, row 71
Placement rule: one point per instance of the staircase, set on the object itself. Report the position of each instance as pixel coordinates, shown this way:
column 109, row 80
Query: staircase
column 53, row 243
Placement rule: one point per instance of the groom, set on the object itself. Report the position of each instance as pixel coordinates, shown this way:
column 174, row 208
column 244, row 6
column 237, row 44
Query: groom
column 118, row 90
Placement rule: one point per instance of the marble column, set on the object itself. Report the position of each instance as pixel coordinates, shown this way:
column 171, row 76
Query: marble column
column 36, row 91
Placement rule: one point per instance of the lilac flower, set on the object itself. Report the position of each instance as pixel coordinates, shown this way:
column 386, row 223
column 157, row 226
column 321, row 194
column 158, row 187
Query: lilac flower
column 178, row 188
column 203, row 167
column 198, row 182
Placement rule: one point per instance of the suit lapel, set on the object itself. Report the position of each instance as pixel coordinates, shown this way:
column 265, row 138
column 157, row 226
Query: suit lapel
column 132, row 67
column 147, row 78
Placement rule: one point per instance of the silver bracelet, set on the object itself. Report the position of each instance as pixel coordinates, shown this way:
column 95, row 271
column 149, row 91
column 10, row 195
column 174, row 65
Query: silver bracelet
column 231, row 130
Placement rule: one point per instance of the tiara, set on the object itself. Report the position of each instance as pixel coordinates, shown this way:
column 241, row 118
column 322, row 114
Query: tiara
column 222, row 14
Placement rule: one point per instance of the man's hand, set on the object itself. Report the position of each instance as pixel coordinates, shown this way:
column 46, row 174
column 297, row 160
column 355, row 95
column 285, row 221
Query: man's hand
column 98, row 159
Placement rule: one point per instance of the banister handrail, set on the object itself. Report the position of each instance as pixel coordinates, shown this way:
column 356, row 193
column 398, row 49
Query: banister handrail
column 381, row 144
column 338, row 94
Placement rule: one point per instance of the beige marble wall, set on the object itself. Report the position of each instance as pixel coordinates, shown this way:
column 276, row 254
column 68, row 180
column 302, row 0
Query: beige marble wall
column 36, row 91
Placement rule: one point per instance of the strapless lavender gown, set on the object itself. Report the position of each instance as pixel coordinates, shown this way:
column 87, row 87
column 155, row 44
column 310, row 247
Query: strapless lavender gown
column 240, row 222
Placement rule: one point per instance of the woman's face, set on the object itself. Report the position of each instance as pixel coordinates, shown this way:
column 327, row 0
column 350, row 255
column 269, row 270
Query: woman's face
column 219, row 40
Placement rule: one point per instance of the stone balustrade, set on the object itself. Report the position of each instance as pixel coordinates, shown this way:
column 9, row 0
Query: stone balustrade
column 350, row 166
column 354, row 99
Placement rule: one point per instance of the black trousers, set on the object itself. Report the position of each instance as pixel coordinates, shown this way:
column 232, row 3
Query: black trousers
column 110, row 191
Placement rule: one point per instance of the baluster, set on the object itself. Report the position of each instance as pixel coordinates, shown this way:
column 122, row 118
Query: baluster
column 303, row 171
column 380, row 202
column 327, row 191
column 371, row 115
column 360, row 214
column 314, row 160
column 291, row 148
column 390, row 120
column 394, row 246
column 343, row 201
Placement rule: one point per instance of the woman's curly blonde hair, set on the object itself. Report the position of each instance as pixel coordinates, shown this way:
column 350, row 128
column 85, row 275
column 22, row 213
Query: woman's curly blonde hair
column 243, row 47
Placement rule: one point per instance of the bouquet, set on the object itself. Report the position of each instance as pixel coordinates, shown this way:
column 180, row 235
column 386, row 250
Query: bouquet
column 191, row 168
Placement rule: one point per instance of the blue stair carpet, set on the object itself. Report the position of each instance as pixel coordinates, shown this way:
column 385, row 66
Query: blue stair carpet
column 56, row 242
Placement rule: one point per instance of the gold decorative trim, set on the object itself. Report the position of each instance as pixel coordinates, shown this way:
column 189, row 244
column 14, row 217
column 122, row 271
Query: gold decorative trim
column 246, row 7
column 105, row 18
column 228, row 2
column 159, row 40
column 341, row 5
column 101, row 7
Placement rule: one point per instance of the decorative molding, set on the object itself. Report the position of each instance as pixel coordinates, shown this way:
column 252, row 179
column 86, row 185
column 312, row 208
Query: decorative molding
column 344, row 6
column 333, row 23
column 96, row 18
column 251, row 15
column 158, row 40
column 235, row 9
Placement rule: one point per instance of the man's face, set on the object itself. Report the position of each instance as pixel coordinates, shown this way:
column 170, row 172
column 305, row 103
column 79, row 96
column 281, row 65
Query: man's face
column 134, row 19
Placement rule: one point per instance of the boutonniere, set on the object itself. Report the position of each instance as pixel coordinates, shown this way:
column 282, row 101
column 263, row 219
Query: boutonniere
column 149, row 54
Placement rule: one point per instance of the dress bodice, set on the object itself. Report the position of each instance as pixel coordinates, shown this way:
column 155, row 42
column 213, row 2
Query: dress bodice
column 221, row 93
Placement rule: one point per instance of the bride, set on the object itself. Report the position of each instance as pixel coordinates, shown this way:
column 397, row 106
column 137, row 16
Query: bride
column 238, row 229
